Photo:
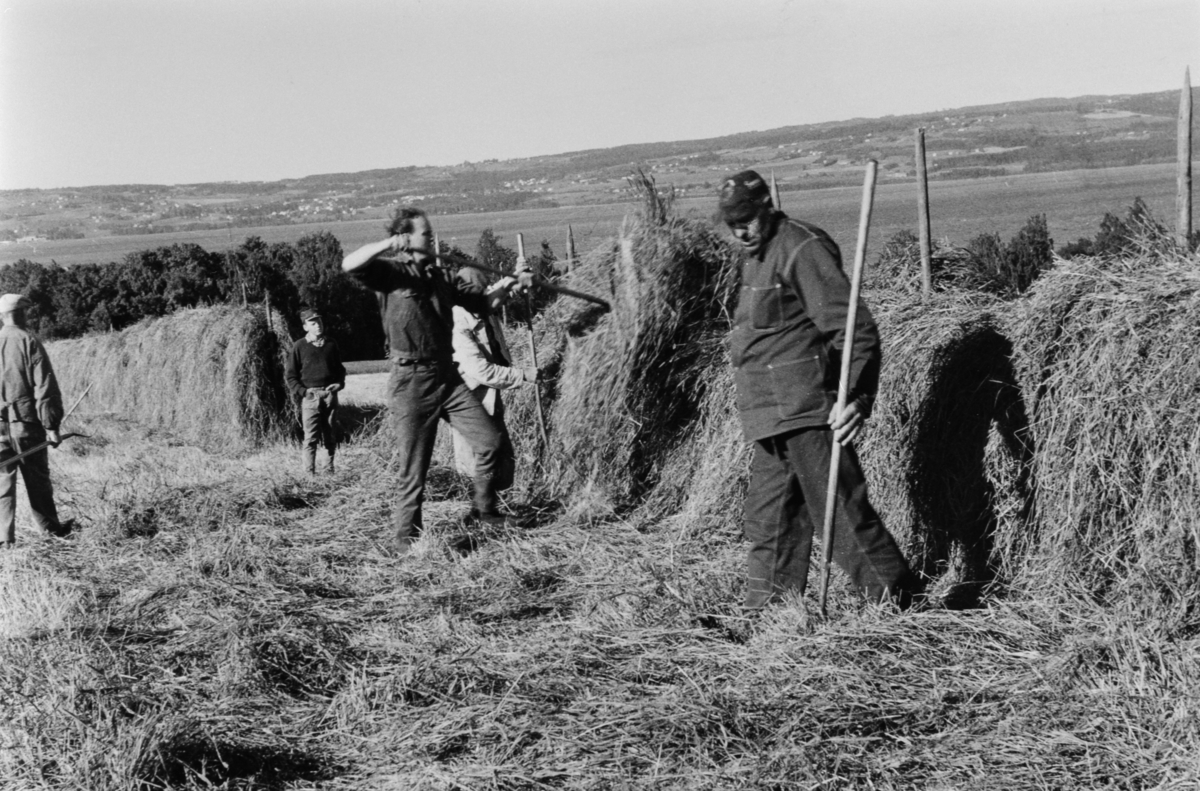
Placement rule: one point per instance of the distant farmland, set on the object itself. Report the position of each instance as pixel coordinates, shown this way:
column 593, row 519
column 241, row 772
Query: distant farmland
column 1073, row 202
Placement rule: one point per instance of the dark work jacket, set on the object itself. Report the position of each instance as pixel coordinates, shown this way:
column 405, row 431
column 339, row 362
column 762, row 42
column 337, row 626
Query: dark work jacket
column 27, row 381
column 788, row 333
column 415, row 303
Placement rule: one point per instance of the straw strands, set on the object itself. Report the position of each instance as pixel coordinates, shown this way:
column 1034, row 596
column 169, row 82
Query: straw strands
column 1077, row 397
column 627, row 385
column 210, row 376
column 1107, row 351
column 223, row 624
column 947, row 449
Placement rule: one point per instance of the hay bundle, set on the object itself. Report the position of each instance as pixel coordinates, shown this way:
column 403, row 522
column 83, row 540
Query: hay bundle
column 946, row 453
column 643, row 405
column 212, row 376
column 626, row 386
column 1109, row 366
column 704, row 479
column 947, row 450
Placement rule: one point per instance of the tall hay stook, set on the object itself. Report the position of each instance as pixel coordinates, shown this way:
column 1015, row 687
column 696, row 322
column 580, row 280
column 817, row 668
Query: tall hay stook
column 624, row 387
column 1108, row 352
column 212, row 376
column 947, row 451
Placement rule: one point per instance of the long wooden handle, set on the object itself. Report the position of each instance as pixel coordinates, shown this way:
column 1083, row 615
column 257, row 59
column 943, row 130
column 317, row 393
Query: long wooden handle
column 35, row 449
column 537, row 388
column 860, row 255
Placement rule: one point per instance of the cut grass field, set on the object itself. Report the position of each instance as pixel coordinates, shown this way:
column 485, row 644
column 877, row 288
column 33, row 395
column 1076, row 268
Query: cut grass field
column 221, row 621
column 1073, row 202
column 225, row 623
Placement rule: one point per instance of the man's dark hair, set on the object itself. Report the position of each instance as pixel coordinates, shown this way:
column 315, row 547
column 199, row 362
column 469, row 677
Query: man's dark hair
column 402, row 219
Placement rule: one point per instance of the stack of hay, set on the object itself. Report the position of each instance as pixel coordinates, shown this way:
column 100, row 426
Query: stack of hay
column 1109, row 369
column 211, row 376
column 1046, row 444
column 626, row 387
column 946, row 452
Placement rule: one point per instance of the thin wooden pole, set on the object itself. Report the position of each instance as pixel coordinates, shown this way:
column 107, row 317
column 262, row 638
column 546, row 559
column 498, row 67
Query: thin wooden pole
column 537, row 388
column 1183, row 194
column 570, row 248
column 923, row 216
column 860, row 254
column 775, row 193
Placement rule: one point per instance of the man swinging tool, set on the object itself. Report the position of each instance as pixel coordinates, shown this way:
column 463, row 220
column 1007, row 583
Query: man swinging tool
column 31, row 415
column 416, row 298
column 787, row 339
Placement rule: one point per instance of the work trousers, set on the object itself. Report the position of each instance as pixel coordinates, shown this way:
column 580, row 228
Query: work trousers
column 421, row 395
column 786, row 502
column 464, row 454
column 35, row 469
column 318, row 411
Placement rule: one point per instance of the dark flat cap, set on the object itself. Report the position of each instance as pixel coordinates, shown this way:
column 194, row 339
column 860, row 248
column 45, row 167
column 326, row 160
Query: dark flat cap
column 742, row 196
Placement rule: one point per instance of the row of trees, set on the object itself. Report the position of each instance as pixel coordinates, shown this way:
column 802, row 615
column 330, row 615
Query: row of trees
column 72, row 301
column 75, row 300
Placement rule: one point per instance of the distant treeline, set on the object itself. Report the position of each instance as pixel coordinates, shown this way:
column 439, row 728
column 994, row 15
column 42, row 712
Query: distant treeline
column 72, row 301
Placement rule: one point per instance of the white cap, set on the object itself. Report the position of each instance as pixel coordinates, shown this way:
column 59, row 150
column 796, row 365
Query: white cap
column 11, row 302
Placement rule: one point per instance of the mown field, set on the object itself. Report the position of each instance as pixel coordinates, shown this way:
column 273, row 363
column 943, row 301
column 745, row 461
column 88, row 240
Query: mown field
column 1073, row 201
column 222, row 621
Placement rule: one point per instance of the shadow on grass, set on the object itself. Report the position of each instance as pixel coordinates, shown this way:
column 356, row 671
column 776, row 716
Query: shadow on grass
column 198, row 760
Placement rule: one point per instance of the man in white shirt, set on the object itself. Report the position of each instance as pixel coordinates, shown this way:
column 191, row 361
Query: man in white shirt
column 484, row 362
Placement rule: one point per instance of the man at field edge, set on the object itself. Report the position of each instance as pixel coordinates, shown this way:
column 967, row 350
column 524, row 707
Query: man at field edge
column 415, row 302
column 314, row 374
column 32, row 410
column 786, row 346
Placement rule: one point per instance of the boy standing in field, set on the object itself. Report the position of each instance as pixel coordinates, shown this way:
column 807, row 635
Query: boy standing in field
column 416, row 300
column 786, row 346
column 32, row 409
column 314, row 374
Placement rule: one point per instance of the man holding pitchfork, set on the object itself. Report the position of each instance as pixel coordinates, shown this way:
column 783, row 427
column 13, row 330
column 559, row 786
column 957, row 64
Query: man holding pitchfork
column 786, row 346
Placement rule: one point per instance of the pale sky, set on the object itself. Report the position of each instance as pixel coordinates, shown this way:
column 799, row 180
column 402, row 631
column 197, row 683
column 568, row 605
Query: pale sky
column 186, row 91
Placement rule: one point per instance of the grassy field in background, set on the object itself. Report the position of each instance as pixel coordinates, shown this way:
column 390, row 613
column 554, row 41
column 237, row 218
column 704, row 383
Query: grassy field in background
column 1073, row 201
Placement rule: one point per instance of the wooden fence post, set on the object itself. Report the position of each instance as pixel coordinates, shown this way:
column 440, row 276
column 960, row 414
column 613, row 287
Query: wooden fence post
column 1183, row 193
column 923, row 216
